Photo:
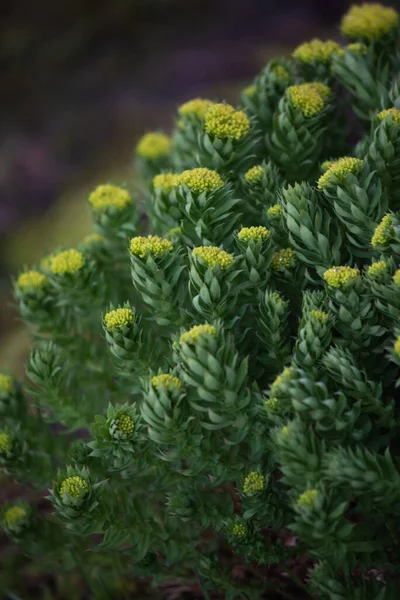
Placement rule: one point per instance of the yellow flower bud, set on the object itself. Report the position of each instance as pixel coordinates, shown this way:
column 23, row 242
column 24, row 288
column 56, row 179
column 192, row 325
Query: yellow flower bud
column 109, row 196
column 166, row 381
column 369, row 21
column 67, row 262
column 223, row 121
column 118, row 318
column 340, row 169
column 152, row 244
column 154, row 145
column 200, row 180
column 198, row 331
column 338, row 277
column 213, row 256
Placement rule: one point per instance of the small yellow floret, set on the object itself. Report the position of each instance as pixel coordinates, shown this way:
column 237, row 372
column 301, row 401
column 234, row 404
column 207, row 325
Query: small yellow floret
column 165, row 182
column 275, row 211
column 283, row 259
column 213, row 256
column 223, row 121
column 254, row 482
column 307, row 499
column 109, row 196
column 120, row 317
column 282, row 379
column 6, row 383
column 74, row 486
column 31, row 280
column 390, row 112
column 281, row 73
column 239, row 530
column 369, row 21
column 14, row 516
column 67, row 262
column 166, row 381
column 196, row 107
column 340, row 169
column 125, row 425
column 255, row 174
column 396, row 347
column 316, row 50
column 357, row 48
column 250, row 90
column 376, row 269
column 383, row 232
column 326, row 165
column 92, row 239
column 396, row 278
column 339, row 276
column 198, row 331
column 253, row 234
column 154, row 145
column 152, row 244
column 200, row 180
column 310, row 98
column 319, row 315
column 5, row 442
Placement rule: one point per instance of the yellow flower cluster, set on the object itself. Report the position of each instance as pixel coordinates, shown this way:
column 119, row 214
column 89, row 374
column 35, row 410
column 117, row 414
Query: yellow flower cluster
column 283, row 259
column 275, row 211
column 250, row 90
column 254, row 482
column 396, row 278
column 14, row 516
column 307, row 499
column 319, row 315
column 310, row 98
column 192, row 336
column 340, row 169
column 339, row 276
column 165, row 182
column 93, row 239
column 200, row 180
column 283, row 378
column 316, row 50
column 253, row 234
column 396, row 347
column 239, row 530
column 67, row 262
column 166, row 381
column 174, row 232
column 383, row 231
column 6, row 383
column 326, row 165
column 31, row 280
column 281, row 73
column 390, row 112
column 120, row 317
column 357, row 48
column 369, row 21
column 196, row 107
column 376, row 269
column 5, row 442
column 213, row 256
column 125, row 425
column 255, row 174
column 272, row 404
column 223, row 121
column 154, row 145
column 152, row 244
column 74, row 486
column 109, row 196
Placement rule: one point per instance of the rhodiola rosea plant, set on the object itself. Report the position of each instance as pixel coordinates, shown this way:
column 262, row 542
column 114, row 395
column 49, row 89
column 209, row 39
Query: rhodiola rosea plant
column 231, row 368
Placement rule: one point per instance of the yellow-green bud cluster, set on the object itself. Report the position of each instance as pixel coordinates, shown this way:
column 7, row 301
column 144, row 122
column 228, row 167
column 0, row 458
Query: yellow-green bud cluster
column 213, row 256
column 326, row 165
column 390, row 112
column 174, row 232
column 125, row 425
column 75, row 486
column 283, row 259
column 272, row 404
column 154, row 145
column 239, row 530
column 67, row 262
column 196, row 107
column 317, row 50
column 118, row 318
column 223, row 121
column 281, row 73
column 396, row 347
column 196, row 332
column 200, row 180
column 319, row 315
column 6, row 383
column 255, row 174
column 340, row 276
column 396, row 278
column 250, row 90
column 166, row 381
column 253, row 234
column 307, row 499
column 377, row 269
column 5, row 442
column 92, row 239
column 254, row 482
column 275, row 211
column 357, row 48
column 165, row 182
column 152, row 244
column 340, row 169
column 282, row 379
column 383, row 231
column 31, row 280
column 310, row 98
column 14, row 517
column 369, row 21
column 109, row 196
